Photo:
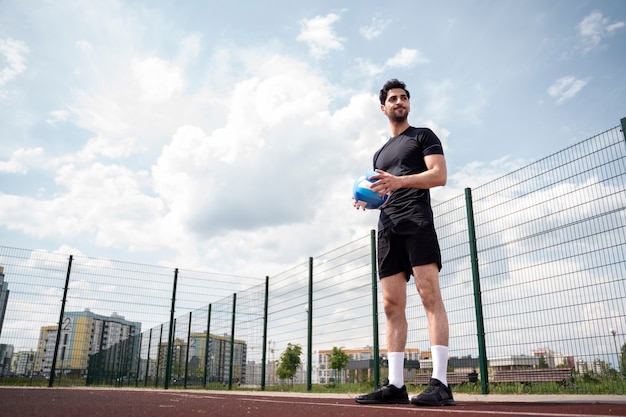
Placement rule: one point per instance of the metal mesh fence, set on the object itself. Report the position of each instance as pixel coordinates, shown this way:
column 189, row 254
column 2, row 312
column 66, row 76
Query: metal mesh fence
column 546, row 289
column 553, row 258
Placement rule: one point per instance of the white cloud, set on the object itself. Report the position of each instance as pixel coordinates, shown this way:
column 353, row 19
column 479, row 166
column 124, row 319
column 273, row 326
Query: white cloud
column 566, row 88
column 261, row 138
column 374, row 29
column 595, row 27
column 404, row 58
column 261, row 175
column 137, row 108
column 158, row 79
column 13, row 53
column 21, row 160
column 478, row 173
column 319, row 35
column 102, row 202
column 58, row 116
column 207, row 151
column 98, row 146
column 191, row 46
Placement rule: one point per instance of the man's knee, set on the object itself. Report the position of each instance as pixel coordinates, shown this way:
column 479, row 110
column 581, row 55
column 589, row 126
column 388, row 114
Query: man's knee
column 394, row 309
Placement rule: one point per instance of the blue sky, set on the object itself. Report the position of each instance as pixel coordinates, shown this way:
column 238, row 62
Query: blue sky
column 225, row 136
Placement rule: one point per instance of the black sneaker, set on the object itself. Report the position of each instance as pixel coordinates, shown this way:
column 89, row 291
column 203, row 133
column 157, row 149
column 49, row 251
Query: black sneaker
column 388, row 394
column 436, row 394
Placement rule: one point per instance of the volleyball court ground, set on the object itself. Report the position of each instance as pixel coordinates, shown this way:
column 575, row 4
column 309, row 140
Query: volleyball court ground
column 101, row 402
column 116, row 402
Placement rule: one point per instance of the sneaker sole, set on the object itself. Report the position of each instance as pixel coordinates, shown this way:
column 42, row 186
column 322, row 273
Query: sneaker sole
column 437, row 404
column 383, row 402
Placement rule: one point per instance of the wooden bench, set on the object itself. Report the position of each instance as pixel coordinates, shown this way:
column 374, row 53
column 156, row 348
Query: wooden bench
column 562, row 376
column 453, row 378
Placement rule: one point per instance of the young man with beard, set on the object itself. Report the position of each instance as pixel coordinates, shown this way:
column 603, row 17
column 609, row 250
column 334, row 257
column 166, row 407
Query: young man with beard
column 409, row 164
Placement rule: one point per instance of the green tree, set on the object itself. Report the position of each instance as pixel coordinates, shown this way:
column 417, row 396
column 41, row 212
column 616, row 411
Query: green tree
column 542, row 362
column 337, row 360
column 289, row 362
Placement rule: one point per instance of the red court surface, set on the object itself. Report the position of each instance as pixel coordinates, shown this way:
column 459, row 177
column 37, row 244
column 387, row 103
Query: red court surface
column 68, row 402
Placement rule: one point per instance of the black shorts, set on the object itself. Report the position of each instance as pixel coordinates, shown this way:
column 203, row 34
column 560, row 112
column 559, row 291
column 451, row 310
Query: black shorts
column 402, row 247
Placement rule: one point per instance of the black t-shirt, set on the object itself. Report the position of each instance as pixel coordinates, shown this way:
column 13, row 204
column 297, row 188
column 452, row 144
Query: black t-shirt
column 404, row 155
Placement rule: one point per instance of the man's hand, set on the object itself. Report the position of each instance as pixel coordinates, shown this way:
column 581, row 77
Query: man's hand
column 358, row 205
column 386, row 182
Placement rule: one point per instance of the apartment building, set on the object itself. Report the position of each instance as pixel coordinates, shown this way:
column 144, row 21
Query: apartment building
column 82, row 334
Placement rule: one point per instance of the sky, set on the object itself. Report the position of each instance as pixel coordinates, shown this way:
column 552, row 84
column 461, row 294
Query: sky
column 225, row 136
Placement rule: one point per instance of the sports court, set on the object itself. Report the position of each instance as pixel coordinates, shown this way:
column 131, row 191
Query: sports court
column 69, row 402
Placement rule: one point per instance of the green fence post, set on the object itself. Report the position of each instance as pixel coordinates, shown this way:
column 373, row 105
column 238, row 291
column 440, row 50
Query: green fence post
column 232, row 343
column 137, row 369
column 170, row 339
column 128, row 358
column 158, row 367
column 264, row 352
column 206, row 347
column 478, row 304
column 187, row 353
column 110, row 365
column 172, row 349
column 61, row 314
column 145, row 378
column 309, row 352
column 376, row 352
column 122, row 360
column 90, row 366
column 116, row 364
column 125, row 370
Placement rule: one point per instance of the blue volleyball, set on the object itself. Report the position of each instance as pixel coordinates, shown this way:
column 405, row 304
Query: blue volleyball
column 363, row 194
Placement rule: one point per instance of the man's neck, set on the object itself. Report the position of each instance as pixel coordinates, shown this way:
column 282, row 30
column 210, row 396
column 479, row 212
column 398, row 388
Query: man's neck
column 397, row 128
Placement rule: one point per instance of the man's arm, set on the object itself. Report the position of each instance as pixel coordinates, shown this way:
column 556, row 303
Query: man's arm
column 436, row 175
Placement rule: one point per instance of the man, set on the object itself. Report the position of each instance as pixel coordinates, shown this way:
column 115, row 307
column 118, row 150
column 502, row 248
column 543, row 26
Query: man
column 408, row 165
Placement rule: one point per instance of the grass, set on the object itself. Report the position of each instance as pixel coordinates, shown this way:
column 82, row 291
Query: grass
column 578, row 386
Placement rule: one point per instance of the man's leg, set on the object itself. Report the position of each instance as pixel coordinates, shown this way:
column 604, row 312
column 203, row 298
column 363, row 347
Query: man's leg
column 394, row 303
column 427, row 283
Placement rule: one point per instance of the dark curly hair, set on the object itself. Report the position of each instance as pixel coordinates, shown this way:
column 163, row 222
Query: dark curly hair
column 391, row 84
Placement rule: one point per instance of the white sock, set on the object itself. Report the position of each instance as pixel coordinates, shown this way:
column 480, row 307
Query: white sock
column 440, row 362
column 396, row 368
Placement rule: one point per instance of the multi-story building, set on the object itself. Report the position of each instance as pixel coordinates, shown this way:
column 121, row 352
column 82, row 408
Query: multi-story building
column 540, row 357
column 22, row 363
column 6, row 353
column 45, row 349
column 462, row 364
column 217, row 358
column 361, row 364
column 512, row 362
column 82, row 334
column 554, row 359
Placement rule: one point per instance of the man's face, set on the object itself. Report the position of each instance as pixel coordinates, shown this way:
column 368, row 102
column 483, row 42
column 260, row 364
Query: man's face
column 397, row 105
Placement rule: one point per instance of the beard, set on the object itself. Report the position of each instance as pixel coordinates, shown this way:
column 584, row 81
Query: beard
column 398, row 115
